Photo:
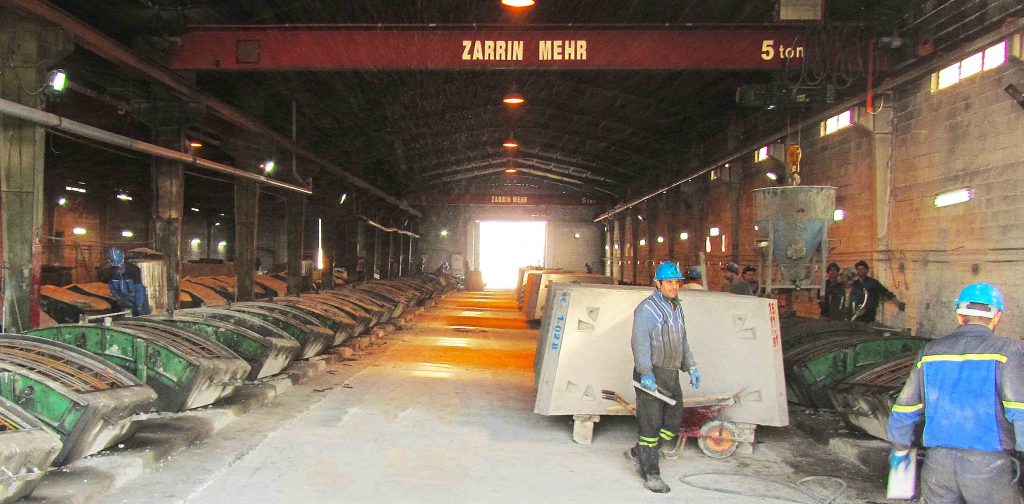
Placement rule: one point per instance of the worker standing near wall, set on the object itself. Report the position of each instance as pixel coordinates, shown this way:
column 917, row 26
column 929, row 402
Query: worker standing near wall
column 731, row 275
column 832, row 293
column 747, row 283
column 660, row 351
column 693, row 279
column 968, row 389
column 871, row 291
column 125, row 282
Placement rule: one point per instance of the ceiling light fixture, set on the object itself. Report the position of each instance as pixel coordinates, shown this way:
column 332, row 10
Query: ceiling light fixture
column 62, row 201
column 518, row 3
column 514, row 98
column 510, row 143
column 75, row 189
column 684, row 236
column 195, row 144
column 194, row 209
column 268, row 166
column 123, row 197
column 127, row 233
column 344, row 196
column 511, row 171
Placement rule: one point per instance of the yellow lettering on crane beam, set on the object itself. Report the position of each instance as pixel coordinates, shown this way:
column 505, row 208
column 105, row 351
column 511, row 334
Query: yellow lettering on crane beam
column 562, row 50
column 492, row 50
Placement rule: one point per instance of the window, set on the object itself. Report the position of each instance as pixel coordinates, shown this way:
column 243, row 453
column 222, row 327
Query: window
column 837, row 122
column 972, row 65
column 761, row 154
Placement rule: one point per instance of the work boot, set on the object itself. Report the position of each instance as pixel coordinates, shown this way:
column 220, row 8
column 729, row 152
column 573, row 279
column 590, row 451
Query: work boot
column 633, row 460
column 671, row 449
column 654, row 483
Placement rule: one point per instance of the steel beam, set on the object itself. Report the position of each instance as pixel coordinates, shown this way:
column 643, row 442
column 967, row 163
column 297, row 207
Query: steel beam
column 96, row 42
column 294, row 219
column 305, row 48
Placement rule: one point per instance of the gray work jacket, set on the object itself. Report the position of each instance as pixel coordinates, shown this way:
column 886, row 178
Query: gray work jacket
column 659, row 336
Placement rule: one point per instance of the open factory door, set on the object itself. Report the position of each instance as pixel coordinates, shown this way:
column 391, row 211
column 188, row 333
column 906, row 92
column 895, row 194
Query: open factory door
column 505, row 246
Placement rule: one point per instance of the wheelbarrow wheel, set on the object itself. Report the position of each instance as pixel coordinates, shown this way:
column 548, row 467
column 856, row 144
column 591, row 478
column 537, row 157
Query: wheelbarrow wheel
column 718, row 438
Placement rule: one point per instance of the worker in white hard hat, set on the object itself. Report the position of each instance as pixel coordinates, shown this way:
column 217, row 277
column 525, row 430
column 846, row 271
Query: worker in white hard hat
column 660, row 351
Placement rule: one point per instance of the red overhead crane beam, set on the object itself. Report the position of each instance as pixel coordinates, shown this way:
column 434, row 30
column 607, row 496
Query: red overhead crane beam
column 276, row 48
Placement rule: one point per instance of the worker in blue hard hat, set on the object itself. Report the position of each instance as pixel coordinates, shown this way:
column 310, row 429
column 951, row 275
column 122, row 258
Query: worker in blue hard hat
column 731, row 276
column 968, row 390
column 125, row 282
column 660, row 351
column 693, row 279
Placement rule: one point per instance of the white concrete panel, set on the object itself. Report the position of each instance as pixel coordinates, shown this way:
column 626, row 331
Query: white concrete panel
column 535, row 309
column 584, row 348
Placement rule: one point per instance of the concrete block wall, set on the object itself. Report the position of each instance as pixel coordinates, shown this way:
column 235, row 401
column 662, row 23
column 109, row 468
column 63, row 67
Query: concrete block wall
column 968, row 135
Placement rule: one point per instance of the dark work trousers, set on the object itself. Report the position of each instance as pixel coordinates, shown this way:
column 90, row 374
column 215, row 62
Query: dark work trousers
column 968, row 476
column 658, row 421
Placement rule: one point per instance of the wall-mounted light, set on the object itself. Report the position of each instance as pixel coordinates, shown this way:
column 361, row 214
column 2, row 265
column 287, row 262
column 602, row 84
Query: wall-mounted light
column 268, row 166
column 953, row 197
column 79, row 231
column 216, row 223
column 577, row 236
column 194, row 209
column 707, row 244
column 756, row 228
column 761, row 154
column 641, row 217
column 643, row 242
column 838, row 215
column 772, row 175
column 684, row 236
column 221, row 214
column 221, row 245
column 75, row 189
column 714, row 231
column 127, row 233
column 1015, row 94
column 62, row 201
column 195, row 242
column 444, row 233
column 344, row 196
column 57, row 80
column 123, row 197
column 661, row 239
column 195, row 144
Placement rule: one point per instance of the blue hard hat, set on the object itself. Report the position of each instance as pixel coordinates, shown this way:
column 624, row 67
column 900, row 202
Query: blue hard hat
column 668, row 271
column 979, row 293
column 116, row 256
column 694, row 273
column 731, row 267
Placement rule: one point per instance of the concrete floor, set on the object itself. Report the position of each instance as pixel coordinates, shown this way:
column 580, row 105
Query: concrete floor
column 443, row 414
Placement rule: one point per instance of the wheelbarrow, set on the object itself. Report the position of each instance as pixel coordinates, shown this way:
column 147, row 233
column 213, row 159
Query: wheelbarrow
column 716, row 438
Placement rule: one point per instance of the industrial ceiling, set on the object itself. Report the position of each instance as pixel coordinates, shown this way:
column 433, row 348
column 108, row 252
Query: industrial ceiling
column 593, row 132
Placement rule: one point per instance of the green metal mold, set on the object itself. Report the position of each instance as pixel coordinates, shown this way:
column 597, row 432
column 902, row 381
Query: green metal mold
column 266, row 355
column 815, row 368
column 86, row 401
column 314, row 338
column 186, row 370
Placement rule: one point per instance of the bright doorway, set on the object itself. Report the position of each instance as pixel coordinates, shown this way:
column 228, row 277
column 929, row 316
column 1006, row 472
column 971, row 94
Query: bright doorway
column 507, row 246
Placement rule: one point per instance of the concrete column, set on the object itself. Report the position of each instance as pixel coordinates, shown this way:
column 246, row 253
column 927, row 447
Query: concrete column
column 247, row 198
column 401, row 254
column 362, row 261
column 294, row 216
column 330, row 242
column 376, row 262
column 22, row 148
column 734, row 212
column 670, row 207
column 620, row 236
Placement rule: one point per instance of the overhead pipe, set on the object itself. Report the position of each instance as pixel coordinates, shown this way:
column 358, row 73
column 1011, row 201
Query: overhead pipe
column 1010, row 27
column 105, row 47
column 388, row 229
column 65, row 125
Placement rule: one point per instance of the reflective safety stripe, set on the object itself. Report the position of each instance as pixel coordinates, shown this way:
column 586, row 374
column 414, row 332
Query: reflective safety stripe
column 1013, row 405
column 962, row 357
column 649, row 443
column 907, row 409
column 649, row 439
column 667, row 434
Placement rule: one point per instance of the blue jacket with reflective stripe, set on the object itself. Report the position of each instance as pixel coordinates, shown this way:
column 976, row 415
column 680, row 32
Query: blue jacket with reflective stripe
column 967, row 388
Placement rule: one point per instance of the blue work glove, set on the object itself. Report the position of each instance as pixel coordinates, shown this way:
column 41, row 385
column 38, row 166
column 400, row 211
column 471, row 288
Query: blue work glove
column 694, row 378
column 899, row 459
column 647, row 381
